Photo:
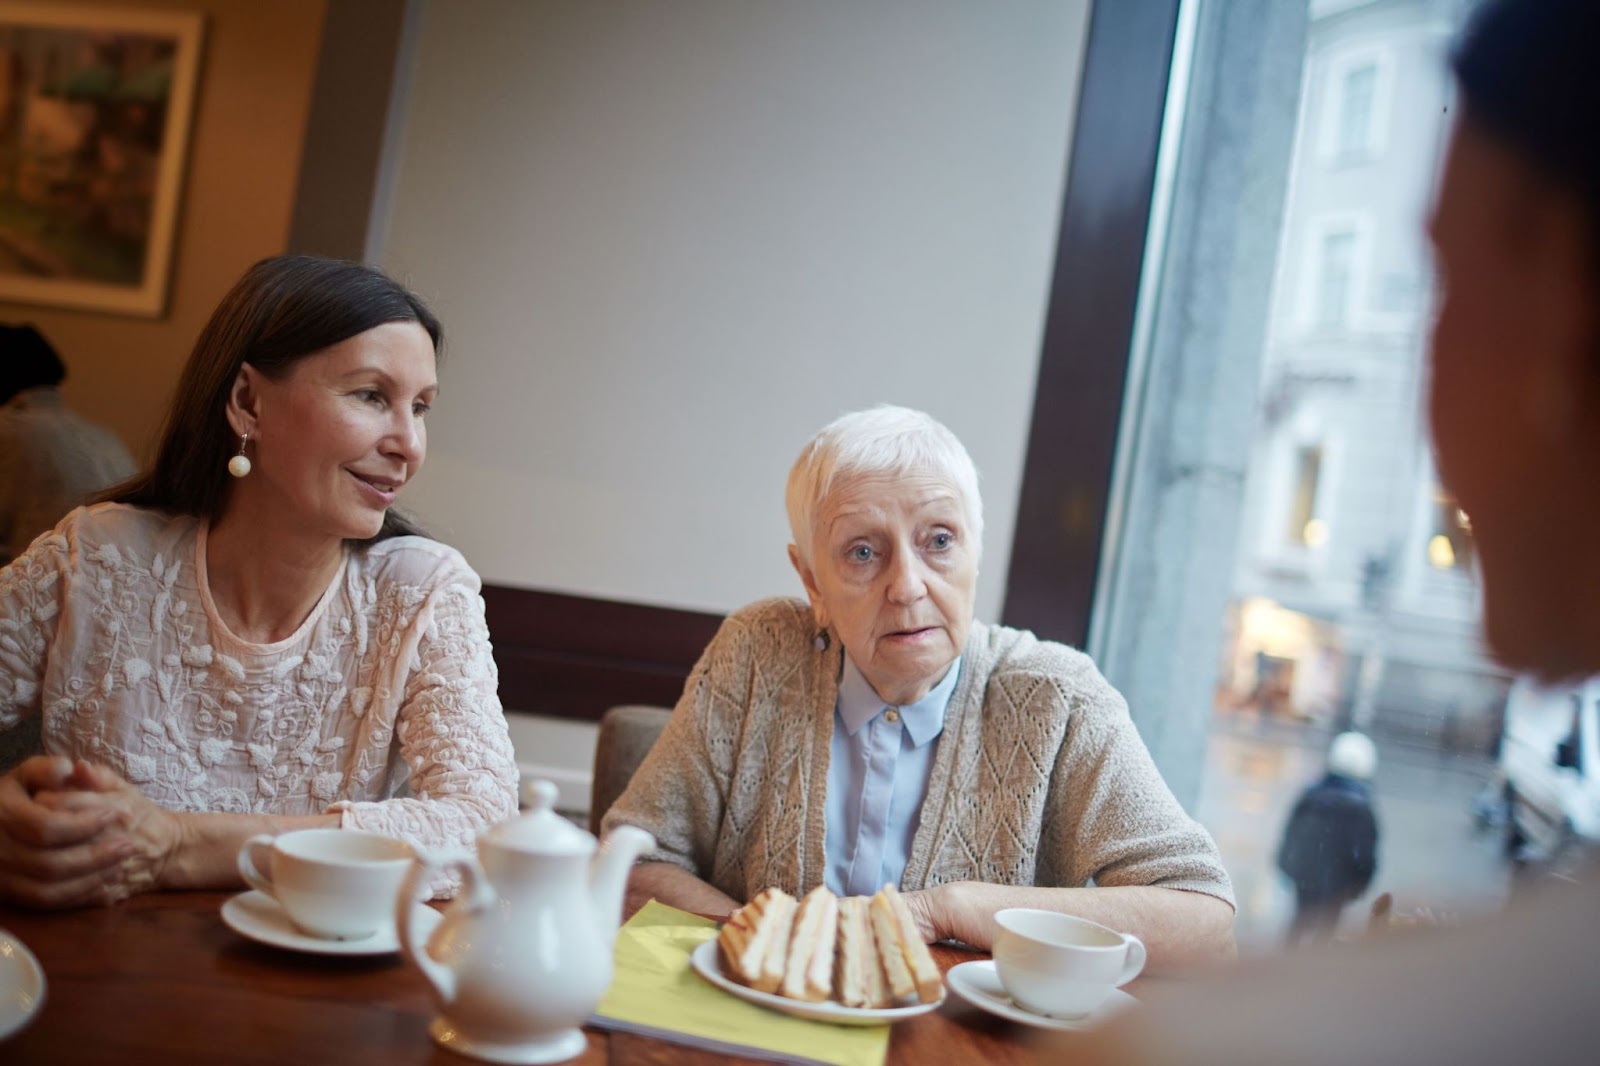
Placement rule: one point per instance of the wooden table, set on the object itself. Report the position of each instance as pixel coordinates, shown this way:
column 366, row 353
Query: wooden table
column 159, row 979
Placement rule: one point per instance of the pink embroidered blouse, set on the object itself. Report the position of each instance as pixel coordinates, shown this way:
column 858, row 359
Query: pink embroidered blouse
column 382, row 706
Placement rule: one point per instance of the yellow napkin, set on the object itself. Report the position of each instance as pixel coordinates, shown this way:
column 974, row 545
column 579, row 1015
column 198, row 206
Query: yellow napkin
column 654, row 991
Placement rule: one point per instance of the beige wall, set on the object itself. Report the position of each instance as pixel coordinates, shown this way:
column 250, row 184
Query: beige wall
column 257, row 67
column 669, row 241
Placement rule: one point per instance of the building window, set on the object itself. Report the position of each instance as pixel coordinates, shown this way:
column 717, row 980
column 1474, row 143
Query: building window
column 1305, row 528
column 1335, row 272
column 1357, row 93
column 1449, row 535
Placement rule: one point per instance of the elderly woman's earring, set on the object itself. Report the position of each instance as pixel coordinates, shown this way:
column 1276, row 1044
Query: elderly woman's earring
column 822, row 641
column 239, row 465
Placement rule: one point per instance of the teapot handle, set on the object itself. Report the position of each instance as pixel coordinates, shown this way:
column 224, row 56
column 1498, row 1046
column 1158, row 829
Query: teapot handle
column 475, row 894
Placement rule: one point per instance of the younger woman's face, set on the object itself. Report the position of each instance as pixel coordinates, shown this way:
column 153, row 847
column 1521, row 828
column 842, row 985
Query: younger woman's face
column 339, row 436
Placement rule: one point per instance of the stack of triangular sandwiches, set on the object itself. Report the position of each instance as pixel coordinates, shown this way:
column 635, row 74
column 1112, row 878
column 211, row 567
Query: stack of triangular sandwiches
column 857, row 952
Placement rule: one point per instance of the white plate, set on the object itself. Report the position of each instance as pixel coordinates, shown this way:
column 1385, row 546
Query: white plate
column 260, row 917
column 705, row 963
column 979, row 984
column 21, row 985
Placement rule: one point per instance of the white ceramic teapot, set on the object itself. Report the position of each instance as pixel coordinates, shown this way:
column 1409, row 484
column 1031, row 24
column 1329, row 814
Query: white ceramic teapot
column 523, row 955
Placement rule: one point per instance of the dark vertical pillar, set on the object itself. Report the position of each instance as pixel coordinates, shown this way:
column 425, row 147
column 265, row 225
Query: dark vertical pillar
column 1089, row 324
column 345, row 130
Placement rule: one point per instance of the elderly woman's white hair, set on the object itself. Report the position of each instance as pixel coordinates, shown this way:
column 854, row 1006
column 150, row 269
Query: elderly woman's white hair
column 879, row 440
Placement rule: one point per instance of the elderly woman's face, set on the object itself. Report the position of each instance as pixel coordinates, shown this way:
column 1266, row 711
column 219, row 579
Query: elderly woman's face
column 338, row 437
column 893, row 573
column 1513, row 393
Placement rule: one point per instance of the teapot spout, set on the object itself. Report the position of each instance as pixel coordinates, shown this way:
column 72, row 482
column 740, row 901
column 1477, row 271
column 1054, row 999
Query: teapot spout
column 608, row 874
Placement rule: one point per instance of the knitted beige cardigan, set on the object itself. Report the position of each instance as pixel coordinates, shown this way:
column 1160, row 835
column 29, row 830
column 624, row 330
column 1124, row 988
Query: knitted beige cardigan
column 1039, row 779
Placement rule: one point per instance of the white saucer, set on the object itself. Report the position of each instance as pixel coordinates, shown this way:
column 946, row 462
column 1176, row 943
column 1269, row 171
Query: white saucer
column 704, row 962
column 260, row 917
column 21, row 985
column 979, row 984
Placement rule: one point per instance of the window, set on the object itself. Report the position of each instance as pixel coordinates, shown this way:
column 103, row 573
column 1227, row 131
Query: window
column 1356, row 92
column 1335, row 266
column 1353, row 77
column 1450, row 538
column 1304, row 525
column 1289, row 385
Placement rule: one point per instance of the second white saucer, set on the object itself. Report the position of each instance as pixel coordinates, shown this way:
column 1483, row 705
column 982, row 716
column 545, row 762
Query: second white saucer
column 258, row 916
column 979, row 984
column 22, row 985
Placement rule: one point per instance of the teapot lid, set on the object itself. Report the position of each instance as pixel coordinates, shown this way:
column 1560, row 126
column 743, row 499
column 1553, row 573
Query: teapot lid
column 540, row 829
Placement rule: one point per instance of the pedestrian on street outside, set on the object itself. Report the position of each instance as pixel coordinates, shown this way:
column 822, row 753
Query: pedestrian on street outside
column 1330, row 846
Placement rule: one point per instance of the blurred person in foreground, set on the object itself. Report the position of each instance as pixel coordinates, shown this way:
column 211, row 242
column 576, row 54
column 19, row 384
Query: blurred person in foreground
column 1515, row 401
column 1330, row 844
column 247, row 638
column 51, row 459
column 880, row 734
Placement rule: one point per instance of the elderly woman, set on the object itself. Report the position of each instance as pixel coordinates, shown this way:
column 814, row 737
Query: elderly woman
column 247, row 638
column 880, row 734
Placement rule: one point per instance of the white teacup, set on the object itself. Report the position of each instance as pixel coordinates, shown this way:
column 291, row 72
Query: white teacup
column 338, row 884
column 1059, row 965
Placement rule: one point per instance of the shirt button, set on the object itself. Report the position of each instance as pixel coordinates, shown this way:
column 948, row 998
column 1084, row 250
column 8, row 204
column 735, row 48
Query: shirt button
column 892, row 715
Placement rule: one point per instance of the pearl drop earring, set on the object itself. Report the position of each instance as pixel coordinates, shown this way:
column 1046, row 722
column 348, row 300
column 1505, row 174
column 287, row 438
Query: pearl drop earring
column 239, row 465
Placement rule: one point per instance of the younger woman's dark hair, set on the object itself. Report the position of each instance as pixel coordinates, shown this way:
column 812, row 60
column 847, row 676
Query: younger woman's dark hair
column 1529, row 72
column 282, row 310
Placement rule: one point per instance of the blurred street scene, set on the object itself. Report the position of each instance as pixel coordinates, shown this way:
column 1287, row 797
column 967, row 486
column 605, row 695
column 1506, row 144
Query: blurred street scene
column 1429, row 852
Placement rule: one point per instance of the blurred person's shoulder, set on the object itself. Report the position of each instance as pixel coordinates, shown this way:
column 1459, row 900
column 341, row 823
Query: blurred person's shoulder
column 102, row 441
column 1514, row 987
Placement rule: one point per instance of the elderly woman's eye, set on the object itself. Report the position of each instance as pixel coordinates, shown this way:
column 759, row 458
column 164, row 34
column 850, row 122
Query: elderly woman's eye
column 942, row 540
column 861, row 553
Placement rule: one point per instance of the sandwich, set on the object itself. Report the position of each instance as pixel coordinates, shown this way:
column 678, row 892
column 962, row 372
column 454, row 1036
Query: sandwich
column 754, row 941
column 781, row 921
column 908, row 965
column 858, row 952
column 808, row 974
column 858, row 975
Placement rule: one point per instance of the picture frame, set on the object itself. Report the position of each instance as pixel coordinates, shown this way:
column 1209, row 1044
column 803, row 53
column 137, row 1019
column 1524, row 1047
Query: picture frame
column 95, row 112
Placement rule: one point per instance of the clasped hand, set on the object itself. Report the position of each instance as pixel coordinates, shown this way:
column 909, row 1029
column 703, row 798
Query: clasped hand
column 73, row 833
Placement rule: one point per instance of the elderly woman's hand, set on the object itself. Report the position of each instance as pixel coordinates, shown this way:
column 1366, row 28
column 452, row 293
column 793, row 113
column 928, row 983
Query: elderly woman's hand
column 937, row 912
column 55, row 854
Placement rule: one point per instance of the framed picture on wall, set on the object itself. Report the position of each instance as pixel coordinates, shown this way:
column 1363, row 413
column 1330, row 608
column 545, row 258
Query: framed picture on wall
column 95, row 105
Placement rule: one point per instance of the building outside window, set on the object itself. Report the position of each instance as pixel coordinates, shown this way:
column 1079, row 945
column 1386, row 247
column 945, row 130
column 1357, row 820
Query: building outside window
column 1339, row 598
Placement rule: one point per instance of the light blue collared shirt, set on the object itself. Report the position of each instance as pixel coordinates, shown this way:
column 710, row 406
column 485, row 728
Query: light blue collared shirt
column 877, row 780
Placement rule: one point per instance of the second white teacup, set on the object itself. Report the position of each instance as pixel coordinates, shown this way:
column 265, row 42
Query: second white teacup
column 338, row 884
column 1059, row 965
